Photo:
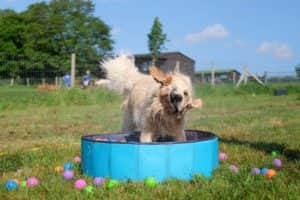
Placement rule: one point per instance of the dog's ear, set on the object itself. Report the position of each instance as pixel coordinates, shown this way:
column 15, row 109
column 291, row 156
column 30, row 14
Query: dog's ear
column 195, row 103
column 159, row 76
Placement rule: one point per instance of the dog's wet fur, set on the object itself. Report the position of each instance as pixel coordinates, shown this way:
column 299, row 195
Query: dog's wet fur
column 155, row 104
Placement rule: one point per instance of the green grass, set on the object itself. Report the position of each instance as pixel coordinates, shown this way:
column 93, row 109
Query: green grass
column 40, row 130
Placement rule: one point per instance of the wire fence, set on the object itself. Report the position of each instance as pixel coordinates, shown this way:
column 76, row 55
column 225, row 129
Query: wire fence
column 278, row 77
column 18, row 69
column 24, row 70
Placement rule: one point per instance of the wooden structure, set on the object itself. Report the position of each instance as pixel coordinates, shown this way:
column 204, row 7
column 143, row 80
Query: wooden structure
column 167, row 62
column 214, row 76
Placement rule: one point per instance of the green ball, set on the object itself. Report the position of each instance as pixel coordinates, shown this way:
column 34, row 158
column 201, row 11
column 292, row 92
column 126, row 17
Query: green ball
column 275, row 153
column 89, row 189
column 23, row 184
column 112, row 183
column 150, row 182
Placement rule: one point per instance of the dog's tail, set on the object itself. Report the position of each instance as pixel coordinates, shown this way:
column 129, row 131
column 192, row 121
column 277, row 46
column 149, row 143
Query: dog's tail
column 122, row 73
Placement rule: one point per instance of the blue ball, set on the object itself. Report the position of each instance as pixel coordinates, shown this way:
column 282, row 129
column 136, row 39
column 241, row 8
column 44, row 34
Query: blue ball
column 11, row 185
column 263, row 171
column 68, row 165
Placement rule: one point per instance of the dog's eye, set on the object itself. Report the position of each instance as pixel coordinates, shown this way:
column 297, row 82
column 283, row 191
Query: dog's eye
column 185, row 93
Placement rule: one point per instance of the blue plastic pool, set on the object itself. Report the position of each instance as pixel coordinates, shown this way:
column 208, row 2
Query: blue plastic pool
column 121, row 156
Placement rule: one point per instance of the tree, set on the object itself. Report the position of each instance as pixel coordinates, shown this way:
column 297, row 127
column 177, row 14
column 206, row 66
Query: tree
column 156, row 39
column 47, row 33
column 297, row 68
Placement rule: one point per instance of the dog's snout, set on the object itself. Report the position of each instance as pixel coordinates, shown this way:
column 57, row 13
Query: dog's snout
column 176, row 98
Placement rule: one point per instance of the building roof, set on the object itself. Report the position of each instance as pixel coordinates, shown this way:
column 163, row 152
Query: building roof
column 161, row 55
column 217, row 71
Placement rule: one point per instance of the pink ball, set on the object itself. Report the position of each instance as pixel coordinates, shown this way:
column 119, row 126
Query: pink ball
column 32, row 181
column 222, row 156
column 98, row 181
column 77, row 159
column 277, row 163
column 234, row 168
column 68, row 174
column 80, row 184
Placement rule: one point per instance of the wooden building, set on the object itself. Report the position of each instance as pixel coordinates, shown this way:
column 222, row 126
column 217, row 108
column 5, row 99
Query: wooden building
column 167, row 62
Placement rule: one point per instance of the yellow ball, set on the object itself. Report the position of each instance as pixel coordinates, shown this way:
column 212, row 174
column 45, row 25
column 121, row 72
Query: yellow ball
column 59, row 169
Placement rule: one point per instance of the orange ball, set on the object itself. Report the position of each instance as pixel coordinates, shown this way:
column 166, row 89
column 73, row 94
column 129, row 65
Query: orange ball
column 17, row 181
column 59, row 169
column 270, row 173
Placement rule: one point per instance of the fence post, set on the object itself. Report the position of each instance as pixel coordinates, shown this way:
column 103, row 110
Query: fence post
column 56, row 80
column 212, row 74
column 12, row 81
column 43, row 80
column 233, row 77
column 246, row 74
column 265, row 77
column 73, row 60
column 27, row 82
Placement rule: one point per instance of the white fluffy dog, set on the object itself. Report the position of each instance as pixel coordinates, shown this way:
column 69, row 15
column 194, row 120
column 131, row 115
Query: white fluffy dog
column 155, row 104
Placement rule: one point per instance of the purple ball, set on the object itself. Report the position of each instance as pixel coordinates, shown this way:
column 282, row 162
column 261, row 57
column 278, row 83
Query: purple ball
column 234, row 168
column 68, row 174
column 277, row 163
column 222, row 156
column 98, row 181
column 255, row 171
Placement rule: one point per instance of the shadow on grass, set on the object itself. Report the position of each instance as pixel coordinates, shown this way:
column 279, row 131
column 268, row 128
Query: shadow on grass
column 290, row 154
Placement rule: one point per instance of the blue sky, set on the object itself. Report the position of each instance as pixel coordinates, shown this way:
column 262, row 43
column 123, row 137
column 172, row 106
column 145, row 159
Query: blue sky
column 263, row 34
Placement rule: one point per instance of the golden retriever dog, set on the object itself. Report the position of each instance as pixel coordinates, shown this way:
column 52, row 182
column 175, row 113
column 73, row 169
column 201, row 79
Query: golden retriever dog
column 155, row 104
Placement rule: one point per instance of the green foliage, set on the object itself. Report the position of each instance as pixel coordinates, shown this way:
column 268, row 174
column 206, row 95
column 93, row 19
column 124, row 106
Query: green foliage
column 23, row 97
column 248, row 89
column 49, row 33
column 36, row 139
column 156, row 39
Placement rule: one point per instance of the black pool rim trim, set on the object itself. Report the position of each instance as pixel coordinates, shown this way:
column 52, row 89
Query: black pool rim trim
column 88, row 138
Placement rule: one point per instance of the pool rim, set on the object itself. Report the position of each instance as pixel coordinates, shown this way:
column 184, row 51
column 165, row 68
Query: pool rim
column 88, row 138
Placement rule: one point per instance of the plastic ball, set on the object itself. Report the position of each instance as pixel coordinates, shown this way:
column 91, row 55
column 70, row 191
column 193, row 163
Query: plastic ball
column 234, row 168
column 98, row 181
column 222, row 156
column 17, row 181
column 263, row 171
column 255, row 171
column 68, row 165
column 77, row 159
column 89, row 189
column 32, row 182
column 277, row 163
column 80, row 184
column 11, row 185
column 270, row 173
column 23, row 184
column 150, row 182
column 59, row 169
column 68, row 174
column 112, row 183
column 275, row 153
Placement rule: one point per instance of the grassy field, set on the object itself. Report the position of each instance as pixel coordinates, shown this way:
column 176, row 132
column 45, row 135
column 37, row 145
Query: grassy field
column 41, row 130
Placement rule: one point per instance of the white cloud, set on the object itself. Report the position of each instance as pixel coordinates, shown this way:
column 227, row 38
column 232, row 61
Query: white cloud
column 115, row 30
column 275, row 49
column 216, row 31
